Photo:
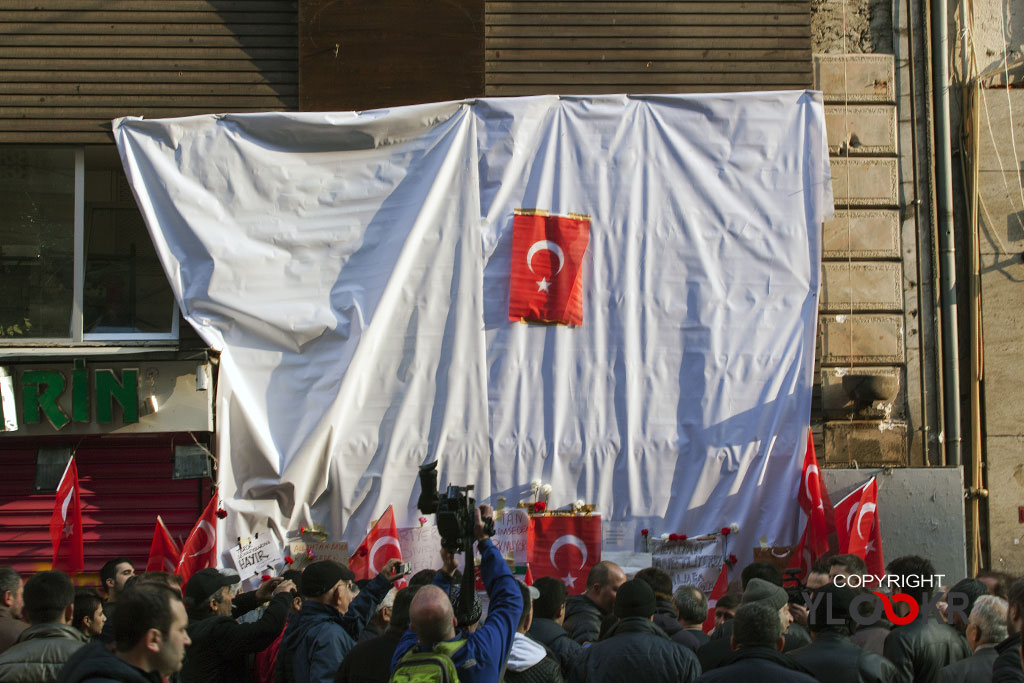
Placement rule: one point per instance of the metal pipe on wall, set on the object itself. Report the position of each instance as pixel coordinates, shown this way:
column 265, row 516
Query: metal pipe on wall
column 947, row 243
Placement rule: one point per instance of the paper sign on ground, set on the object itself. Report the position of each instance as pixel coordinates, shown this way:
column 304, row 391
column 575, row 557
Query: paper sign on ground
column 326, row 550
column 262, row 555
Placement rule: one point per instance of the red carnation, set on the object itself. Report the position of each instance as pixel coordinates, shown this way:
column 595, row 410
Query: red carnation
column 221, row 514
column 726, row 531
column 288, row 559
column 673, row 537
column 264, row 578
column 682, row 537
column 540, row 506
column 733, row 559
column 362, row 552
column 644, row 532
column 302, row 529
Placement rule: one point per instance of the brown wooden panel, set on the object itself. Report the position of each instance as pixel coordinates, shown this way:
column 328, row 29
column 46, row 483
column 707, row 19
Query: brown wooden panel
column 69, row 66
column 659, row 8
column 362, row 54
column 606, row 46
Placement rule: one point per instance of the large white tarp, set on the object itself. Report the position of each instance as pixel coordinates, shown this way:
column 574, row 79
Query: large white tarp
column 353, row 271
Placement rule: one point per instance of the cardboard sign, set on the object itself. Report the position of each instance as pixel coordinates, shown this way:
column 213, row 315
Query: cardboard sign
column 421, row 547
column 511, row 527
column 689, row 563
column 261, row 555
column 325, row 550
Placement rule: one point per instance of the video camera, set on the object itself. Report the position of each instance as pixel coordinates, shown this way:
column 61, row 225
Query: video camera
column 454, row 510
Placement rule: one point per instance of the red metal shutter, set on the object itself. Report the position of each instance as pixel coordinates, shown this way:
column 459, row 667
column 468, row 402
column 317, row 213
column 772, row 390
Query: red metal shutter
column 125, row 481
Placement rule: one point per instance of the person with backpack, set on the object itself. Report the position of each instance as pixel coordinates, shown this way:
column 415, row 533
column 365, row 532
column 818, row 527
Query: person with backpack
column 432, row 650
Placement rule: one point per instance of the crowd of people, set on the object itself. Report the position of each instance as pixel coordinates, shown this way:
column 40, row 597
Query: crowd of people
column 319, row 624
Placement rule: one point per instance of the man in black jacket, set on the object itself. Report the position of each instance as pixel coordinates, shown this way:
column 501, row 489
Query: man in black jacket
column 584, row 613
column 548, row 614
column 692, row 606
column 831, row 657
column 757, row 643
column 921, row 648
column 635, row 647
column 150, row 637
column 1007, row 668
column 220, row 645
column 665, row 615
column 986, row 626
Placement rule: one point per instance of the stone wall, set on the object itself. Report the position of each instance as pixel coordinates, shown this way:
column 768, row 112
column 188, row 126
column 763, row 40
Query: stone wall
column 867, row 25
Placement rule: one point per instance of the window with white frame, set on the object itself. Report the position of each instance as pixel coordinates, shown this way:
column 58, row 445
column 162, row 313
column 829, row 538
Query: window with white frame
column 76, row 261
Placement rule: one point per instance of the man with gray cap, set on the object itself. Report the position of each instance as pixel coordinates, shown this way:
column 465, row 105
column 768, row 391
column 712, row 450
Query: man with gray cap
column 333, row 615
column 757, row 641
column 718, row 650
column 221, row 646
column 635, row 646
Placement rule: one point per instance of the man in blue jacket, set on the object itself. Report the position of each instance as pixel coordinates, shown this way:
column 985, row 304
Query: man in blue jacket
column 432, row 618
column 333, row 615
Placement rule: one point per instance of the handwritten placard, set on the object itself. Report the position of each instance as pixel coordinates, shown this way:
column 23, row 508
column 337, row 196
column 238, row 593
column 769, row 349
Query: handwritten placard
column 262, row 554
column 421, row 547
column 325, row 550
column 511, row 527
column 618, row 536
column 689, row 563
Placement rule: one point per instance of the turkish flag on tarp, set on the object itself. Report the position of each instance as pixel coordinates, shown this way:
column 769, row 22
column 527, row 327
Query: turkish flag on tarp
column 200, row 549
column 857, row 526
column 721, row 586
column 379, row 546
column 565, row 547
column 818, row 539
column 546, row 279
column 163, row 551
column 66, row 533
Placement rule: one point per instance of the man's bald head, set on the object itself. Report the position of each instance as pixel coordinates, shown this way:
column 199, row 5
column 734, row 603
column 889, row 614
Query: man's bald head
column 431, row 616
column 603, row 583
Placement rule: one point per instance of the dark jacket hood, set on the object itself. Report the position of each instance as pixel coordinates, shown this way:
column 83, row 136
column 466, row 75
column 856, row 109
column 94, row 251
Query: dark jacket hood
column 96, row 661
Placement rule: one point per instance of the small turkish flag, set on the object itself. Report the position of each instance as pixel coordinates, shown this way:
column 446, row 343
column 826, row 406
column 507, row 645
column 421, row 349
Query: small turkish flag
column 546, row 279
column 163, row 551
column 819, row 535
column 200, row 549
column 566, row 547
column 66, row 533
column 857, row 526
column 379, row 546
column 721, row 586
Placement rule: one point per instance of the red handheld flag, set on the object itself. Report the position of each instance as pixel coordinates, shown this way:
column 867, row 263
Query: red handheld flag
column 721, row 586
column 546, row 279
column 379, row 546
column 857, row 526
column 66, row 532
column 200, row 549
column 163, row 551
column 818, row 539
column 565, row 547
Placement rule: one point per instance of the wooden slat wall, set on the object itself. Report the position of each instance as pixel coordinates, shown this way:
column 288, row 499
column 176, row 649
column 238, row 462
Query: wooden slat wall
column 67, row 67
column 682, row 46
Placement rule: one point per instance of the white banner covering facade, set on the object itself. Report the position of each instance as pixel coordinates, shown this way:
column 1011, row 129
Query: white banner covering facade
column 353, row 271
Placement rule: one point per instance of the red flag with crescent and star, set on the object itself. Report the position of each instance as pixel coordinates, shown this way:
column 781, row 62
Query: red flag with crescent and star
column 857, row 526
column 66, row 532
column 819, row 536
column 163, row 551
column 565, row 547
column 200, row 549
column 546, row 278
column 379, row 546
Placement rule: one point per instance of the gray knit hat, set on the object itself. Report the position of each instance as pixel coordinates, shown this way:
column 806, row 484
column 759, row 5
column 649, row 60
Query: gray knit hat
column 765, row 593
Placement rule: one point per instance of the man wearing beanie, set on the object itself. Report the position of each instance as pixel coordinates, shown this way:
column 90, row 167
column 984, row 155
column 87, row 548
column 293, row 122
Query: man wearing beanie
column 757, row 641
column 832, row 658
column 760, row 591
column 333, row 615
column 635, row 646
